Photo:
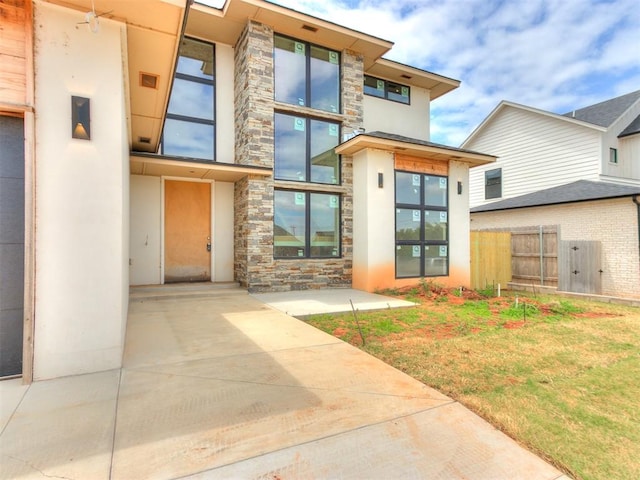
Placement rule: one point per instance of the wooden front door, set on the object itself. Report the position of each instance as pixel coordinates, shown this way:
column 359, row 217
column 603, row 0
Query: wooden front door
column 187, row 231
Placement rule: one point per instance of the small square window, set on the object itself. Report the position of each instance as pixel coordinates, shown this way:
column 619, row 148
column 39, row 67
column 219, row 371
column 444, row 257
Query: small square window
column 613, row 155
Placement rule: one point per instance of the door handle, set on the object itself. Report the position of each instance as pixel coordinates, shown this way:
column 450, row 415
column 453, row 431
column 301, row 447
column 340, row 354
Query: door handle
column 208, row 244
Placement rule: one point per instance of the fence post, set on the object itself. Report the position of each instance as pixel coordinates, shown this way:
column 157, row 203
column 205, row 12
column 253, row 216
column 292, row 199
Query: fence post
column 541, row 256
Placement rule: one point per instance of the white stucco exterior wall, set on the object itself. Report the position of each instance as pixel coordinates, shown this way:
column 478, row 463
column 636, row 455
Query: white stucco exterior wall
column 81, row 196
column 393, row 117
column 146, row 227
column 373, row 221
column 374, row 224
column 223, row 222
column 459, row 226
column 225, row 114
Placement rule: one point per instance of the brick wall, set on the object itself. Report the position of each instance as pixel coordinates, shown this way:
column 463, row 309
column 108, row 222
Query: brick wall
column 255, row 267
column 613, row 222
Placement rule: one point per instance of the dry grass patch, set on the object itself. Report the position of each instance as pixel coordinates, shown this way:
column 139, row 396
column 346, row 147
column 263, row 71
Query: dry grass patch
column 564, row 382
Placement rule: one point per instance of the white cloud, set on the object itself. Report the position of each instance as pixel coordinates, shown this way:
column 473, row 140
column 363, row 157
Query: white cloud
column 556, row 55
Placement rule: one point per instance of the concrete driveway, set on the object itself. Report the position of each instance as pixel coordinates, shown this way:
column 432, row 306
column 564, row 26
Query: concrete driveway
column 218, row 384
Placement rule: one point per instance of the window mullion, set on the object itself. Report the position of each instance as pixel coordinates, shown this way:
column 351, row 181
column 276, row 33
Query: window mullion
column 307, row 225
column 422, row 215
column 307, row 52
column 307, row 151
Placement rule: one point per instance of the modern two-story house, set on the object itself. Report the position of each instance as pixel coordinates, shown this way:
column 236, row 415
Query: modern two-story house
column 169, row 141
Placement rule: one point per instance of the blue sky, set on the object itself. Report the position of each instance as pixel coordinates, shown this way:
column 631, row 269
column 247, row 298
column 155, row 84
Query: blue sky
column 556, row 55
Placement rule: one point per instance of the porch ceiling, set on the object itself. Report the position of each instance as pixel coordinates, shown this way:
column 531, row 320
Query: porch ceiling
column 156, row 166
column 153, row 32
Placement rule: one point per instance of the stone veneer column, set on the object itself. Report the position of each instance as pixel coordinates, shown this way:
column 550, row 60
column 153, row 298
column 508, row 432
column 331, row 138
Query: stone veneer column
column 255, row 267
column 254, row 145
column 352, row 82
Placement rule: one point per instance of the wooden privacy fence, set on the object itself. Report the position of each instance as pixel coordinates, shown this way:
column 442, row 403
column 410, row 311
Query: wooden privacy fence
column 490, row 259
column 534, row 252
column 527, row 255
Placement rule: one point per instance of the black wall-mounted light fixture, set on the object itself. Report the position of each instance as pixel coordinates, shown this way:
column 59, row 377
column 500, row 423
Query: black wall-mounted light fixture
column 380, row 180
column 459, row 187
column 80, row 118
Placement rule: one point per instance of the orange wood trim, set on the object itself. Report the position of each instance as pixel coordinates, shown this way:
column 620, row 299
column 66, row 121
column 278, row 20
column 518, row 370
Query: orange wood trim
column 29, row 53
column 421, row 165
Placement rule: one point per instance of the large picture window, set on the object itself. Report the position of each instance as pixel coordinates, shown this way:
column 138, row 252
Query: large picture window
column 189, row 129
column 306, row 225
column 306, row 75
column 304, row 149
column 422, row 233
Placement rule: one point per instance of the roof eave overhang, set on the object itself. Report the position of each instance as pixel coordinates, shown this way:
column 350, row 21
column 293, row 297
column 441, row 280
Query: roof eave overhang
column 428, row 152
column 226, row 25
column 438, row 85
column 165, row 166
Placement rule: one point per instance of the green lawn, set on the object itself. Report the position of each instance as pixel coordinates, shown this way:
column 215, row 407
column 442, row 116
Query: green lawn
column 563, row 380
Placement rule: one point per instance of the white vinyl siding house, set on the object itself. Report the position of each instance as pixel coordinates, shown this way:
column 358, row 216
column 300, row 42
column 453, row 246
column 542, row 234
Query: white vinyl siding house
column 628, row 150
column 539, row 152
column 578, row 172
column 537, row 149
column 628, row 165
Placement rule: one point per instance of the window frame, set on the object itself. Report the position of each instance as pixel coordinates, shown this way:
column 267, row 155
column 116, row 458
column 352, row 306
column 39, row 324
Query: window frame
column 613, row 156
column 386, row 90
column 187, row 118
column 307, row 225
column 308, row 140
column 487, row 178
column 422, row 242
column 307, row 74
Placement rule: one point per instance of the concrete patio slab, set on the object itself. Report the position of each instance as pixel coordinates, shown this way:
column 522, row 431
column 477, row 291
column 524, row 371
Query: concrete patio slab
column 311, row 302
column 220, row 385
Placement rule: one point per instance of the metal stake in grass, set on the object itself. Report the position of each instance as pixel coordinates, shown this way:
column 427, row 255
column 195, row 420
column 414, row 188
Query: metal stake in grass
column 355, row 316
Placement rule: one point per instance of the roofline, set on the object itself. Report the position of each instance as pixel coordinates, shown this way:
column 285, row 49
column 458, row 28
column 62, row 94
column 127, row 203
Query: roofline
column 479, row 208
column 365, row 141
column 629, row 108
column 290, row 12
column 418, row 71
column 276, row 7
column 505, row 103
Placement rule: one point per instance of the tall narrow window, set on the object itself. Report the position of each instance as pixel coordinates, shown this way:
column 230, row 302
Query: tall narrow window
column 306, row 225
column 306, row 74
column 304, row 149
column 422, row 234
column 189, row 129
column 613, row 155
column 493, row 183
